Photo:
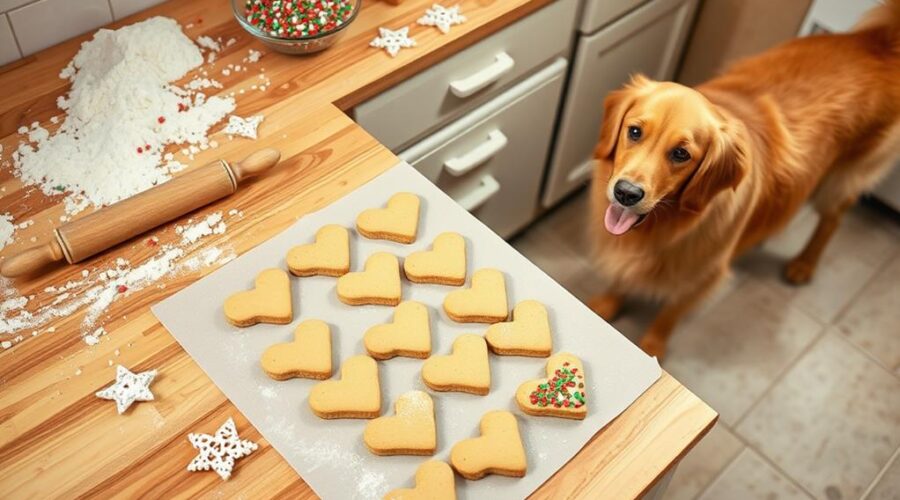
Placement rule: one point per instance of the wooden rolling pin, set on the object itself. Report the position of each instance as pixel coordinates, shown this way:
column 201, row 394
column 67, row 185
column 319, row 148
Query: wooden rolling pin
column 130, row 217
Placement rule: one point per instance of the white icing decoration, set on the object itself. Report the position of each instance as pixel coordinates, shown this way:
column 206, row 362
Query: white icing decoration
column 129, row 387
column 245, row 127
column 442, row 18
column 392, row 41
column 219, row 452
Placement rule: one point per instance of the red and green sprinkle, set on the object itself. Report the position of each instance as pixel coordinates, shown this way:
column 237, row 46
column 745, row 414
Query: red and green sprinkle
column 564, row 390
column 297, row 18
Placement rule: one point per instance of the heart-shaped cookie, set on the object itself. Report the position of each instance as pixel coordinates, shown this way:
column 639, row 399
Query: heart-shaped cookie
column 444, row 264
column 409, row 335
column 378, row 284
column 467, row 369
column 561, row 394
column 268, row 302
column 484, row 302
column 411, row 431
column 328, row 256
column 308, row 356
column 434, row 481
column 528, row 334
column 398, row 222
column 356, row 395
column 498, row 450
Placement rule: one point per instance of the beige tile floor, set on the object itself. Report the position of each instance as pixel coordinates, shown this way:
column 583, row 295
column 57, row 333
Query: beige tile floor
column 806, row 380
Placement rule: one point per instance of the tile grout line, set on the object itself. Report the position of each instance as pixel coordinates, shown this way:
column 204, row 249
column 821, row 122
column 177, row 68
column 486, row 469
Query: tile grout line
column 765, row 459
column 721, row 472
column 866, row 355
column 17, row 7
column 846, row 308
column 32, row 2
column 772, row 463
column 780, row 376
column 875, row 275
column 728, row 463
column 781, row 471
column 880, row 475
column 826, row 328
column 112, row 11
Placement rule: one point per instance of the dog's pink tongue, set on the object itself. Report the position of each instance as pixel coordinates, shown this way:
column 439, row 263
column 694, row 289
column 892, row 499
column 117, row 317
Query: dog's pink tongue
column 618, row 220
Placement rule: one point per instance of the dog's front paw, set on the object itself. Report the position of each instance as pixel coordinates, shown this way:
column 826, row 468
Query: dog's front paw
column 798, row 272
column 607, row 306
column 653, row 346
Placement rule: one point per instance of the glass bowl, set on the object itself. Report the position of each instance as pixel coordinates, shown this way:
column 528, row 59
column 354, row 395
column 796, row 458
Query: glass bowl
column 303, row 45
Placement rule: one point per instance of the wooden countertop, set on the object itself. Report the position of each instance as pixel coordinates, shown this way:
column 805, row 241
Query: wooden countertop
column 57, row 439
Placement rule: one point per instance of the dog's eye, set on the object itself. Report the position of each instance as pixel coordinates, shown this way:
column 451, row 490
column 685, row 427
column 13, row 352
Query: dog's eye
column 634, row 133
column 679, row 155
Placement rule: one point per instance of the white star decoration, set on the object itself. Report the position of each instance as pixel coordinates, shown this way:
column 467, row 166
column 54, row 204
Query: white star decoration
column 219, row 452
column 129, row 387
column 393, row 41
column 442, row 17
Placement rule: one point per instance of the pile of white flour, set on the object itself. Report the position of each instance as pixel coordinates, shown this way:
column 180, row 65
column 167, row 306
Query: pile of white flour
column 122, row 111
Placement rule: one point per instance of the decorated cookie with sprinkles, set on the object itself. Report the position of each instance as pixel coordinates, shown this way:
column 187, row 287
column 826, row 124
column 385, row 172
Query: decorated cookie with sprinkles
column 561, row 394
column 297, row 18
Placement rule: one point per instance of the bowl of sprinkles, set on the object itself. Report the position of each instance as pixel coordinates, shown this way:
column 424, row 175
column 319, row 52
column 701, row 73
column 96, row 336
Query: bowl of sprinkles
column 296, row 26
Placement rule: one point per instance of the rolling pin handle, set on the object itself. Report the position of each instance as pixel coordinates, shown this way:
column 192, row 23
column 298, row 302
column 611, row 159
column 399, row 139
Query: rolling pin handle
column 255, row 164
column 32, row 259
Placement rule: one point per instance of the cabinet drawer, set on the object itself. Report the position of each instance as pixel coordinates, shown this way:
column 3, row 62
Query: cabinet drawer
column 648, row 40
column 492, row 160
column 443, row 92
column 598, row 13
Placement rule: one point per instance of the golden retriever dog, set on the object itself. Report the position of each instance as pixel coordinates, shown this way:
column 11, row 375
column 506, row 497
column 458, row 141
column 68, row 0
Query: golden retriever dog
column 687, row 179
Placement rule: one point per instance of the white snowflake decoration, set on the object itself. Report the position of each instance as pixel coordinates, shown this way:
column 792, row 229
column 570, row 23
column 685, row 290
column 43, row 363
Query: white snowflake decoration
column 245, row 127
column 442, row 17
column 392, row 41
column 129, row 387
column 219, row 452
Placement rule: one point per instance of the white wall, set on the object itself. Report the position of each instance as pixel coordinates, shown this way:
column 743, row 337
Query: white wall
column 835, row 15
column 27, row 26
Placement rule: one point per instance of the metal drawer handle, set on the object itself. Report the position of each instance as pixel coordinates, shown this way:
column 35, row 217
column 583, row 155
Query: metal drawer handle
column 480, row 195
column 459, row 165
column 482, row 78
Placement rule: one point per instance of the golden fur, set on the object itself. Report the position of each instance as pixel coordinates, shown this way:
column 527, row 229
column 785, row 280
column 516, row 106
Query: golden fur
column 816, row 118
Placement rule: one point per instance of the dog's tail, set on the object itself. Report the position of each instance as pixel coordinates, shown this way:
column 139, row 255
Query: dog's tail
column 884, row 20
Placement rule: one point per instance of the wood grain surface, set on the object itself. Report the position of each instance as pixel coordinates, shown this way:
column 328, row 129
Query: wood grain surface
column 58, row 440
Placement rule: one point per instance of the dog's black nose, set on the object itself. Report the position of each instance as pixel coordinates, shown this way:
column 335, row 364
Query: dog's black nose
column 627, row 193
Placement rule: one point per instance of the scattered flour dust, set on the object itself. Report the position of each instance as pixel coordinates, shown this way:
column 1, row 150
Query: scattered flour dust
column 212, row 224
column 97, row 289
column 122, row 111
column 326, row 453
column 7, row 228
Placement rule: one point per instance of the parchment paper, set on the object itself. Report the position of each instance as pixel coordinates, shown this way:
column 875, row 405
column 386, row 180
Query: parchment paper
column 330, row 454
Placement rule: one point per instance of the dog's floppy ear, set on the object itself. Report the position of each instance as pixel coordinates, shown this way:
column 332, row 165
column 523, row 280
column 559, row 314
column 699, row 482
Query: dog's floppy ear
column 723, row 167
column 615, row 106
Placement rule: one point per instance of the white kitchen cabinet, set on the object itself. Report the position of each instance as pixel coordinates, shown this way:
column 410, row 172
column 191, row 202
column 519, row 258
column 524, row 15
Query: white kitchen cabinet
column 648, row 40
column 421, row 104
column 599, row 13
column 491, row 161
